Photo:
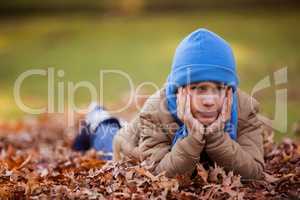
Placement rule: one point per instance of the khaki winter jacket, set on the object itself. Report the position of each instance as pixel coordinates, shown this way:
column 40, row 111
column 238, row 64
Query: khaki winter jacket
column 149, row 135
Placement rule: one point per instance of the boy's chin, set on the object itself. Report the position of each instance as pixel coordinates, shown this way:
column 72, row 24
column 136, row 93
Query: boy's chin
column 206, row 121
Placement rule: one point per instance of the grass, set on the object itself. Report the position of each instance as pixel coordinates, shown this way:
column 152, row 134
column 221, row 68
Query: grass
column 142, row 47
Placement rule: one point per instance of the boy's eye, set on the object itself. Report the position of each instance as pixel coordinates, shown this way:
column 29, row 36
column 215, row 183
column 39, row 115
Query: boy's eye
column 193, row 87
column 222, row 87
column 202, row 88
column 198, row 88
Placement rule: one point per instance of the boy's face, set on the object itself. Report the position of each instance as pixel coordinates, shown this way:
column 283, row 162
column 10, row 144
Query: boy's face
column 206, row 100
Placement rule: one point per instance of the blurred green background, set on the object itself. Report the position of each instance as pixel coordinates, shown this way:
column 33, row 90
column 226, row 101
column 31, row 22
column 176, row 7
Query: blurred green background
column 139, row 37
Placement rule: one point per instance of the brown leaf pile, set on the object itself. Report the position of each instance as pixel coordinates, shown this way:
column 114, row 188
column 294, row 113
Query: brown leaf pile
column 38, row 163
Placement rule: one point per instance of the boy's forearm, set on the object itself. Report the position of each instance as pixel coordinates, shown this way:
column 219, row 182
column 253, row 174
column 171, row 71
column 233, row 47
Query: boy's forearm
column 182, row 158
column 244, row 157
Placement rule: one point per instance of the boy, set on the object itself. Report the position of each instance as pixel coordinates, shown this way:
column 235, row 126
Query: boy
column 200, row 115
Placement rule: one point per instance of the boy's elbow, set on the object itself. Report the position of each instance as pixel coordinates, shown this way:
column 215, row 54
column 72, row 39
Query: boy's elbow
column 256, row 172
column 259, row 172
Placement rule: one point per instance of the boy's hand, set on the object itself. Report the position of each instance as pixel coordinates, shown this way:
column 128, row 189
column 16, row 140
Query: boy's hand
column 184, row 113
column 224, row 115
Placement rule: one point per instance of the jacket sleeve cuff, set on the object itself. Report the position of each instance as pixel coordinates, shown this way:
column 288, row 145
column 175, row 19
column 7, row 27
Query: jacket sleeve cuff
column 214, row 137
column 191, row 145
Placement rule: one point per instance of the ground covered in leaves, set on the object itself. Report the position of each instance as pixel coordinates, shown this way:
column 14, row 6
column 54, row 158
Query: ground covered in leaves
column 38, row 163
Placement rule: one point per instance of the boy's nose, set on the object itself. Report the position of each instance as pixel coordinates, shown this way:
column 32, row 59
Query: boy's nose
column 208, row 100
